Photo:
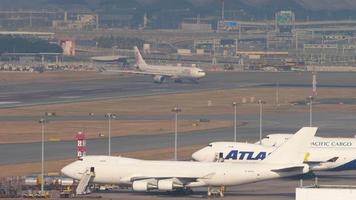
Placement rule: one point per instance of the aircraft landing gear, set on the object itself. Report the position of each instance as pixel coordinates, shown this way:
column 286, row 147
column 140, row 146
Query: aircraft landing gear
column 216, row 191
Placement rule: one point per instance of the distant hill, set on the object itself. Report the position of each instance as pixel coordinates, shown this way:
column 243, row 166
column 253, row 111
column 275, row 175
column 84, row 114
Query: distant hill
column 316, row 5
column 245, row 9
column 329, row 5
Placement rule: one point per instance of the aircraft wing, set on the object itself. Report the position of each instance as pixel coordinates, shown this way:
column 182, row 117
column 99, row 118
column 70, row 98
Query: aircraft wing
column 289, row 169
column 139, row 72
column 186, row 178
column 177, row 179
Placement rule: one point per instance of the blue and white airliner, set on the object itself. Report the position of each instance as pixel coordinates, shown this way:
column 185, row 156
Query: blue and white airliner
column 335, row 154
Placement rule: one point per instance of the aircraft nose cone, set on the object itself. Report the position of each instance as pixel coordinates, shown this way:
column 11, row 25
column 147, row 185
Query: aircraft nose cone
column 196, row 156
column 66, row 170
column 203, row 155
column 69, row 170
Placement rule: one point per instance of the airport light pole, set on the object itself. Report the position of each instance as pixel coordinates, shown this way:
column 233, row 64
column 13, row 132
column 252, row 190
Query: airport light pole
column 91, row 117
column 311, row 98
column 260, row 102
column 176, row 110
column 277, row 93
column 222, row 10
column 234, row 104
column 110, row 116
column 42, row 121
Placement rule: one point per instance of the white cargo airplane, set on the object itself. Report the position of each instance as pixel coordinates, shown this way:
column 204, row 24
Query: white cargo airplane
column 318, row 142
column 162, row 72
column 323, row 154
column 146, row 175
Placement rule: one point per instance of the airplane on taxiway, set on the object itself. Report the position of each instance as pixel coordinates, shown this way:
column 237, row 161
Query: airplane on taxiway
column 162, row 72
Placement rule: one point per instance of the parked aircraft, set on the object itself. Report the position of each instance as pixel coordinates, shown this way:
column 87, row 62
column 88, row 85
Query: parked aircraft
column 146, row 175
column 318, row 142
column 323, row 153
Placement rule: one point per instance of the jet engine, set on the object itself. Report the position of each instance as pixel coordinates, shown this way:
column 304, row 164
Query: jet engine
column 144, row 185
column 168, row 185
column 158, row 79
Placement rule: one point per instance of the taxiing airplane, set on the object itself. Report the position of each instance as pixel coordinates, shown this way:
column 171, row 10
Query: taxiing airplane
column 163, row 72
column 323, row 154
column 146, row 175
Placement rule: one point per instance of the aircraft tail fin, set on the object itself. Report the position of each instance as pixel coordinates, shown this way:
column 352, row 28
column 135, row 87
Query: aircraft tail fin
column 140, row 62
column 295, row 149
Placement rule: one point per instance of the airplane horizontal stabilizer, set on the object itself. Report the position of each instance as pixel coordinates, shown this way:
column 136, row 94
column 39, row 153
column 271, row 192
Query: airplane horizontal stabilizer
column 334, row 159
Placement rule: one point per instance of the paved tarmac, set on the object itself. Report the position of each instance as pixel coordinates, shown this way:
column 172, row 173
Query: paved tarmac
column 36, row 93
column 331, row 124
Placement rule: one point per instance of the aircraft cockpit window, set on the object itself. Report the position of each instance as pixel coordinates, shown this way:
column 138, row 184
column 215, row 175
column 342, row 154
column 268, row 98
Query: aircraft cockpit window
column 210, row 145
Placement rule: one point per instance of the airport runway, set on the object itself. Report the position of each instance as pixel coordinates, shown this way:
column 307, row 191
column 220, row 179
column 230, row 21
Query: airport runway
column 331, row 124
column 36, row 93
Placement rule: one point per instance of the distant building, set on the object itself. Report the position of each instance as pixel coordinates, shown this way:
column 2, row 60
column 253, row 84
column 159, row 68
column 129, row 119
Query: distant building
column 196, row 27
column 82, row 21
column 68, row 47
